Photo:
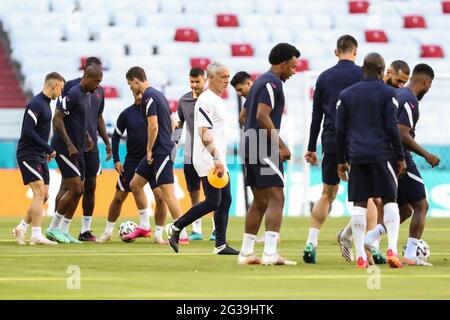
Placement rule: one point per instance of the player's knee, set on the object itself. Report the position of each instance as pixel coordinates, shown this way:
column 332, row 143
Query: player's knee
column 77, row 191
column 89, row 186
column 134, row 186
column 40, row 193
column 329, row 193
column 276, row 199
column 212, row 203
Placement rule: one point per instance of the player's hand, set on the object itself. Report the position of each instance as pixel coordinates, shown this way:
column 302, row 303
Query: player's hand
column 89, row 143
column 149, row 157
column 311, row 157
column 51, row 156
column 342, row 171
column 219, row 168
column 432, row 160
column 285, row 154
column 73, row 151
column 401, row 167
column 118, row 167
column 108, row 152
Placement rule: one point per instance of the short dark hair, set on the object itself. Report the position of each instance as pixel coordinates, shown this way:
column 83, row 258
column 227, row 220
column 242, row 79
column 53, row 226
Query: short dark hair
column 197, row 72
column 283, row 52
column 346, row 43
column 398, row 65
column 239, row 78
column 92, row 60
column 136, row 72
column 54, row 76
column 423, row 68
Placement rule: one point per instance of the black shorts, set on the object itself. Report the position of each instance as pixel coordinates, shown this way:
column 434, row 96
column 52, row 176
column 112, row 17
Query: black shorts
column 329, row 169
column 159, row 172
column 372, row 180
column 411, row 188
column 192, row 178
column 92, row 164
column 129, row 168
column 264, row 174
column 71, row 167
column 33, row 170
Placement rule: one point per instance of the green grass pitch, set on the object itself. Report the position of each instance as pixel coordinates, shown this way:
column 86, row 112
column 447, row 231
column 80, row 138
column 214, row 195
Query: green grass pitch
column 144, row 270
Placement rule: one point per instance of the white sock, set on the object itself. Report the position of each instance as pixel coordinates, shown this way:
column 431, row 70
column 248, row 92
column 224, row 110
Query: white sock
column 347, row 233
column 56, row 221
column 23, row 226
column 313, row 236
column 183, row 234
column 109, row 227
column 411, row 248
column 392, row 224
column 65, row 224
column 86, row 224
column 213, row 224
column 248, row 244
column 159, row 230
column 36, row 232
column 373, row 236
column 359, row 223
column 270, row 242
column 197, row 226
column 144, row 216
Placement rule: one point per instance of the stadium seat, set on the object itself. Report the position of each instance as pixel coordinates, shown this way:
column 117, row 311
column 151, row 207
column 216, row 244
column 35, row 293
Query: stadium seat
column 241, row 50
column 255, row 75
column 110, row 92
column 410, row 22
column 446, row 7
column 173, row 104
column 186, row 35
column 125, row 19
column 227, row 20
column 431, row 51
column 302, row 65
column 358, row 6
column 172, row 6
column 200, row 63
column 375, row 36
column 216, row 51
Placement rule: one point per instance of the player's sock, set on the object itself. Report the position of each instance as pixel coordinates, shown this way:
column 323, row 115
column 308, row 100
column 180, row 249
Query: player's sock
column 392, row 224
column 65, row 224
column 144, row 216
column 36, row 232
column 347, row 233
column 411, row 248
column 23, row 226
column 56, row 221
column 183, row 234
column 159, row 232
column 197, row 226
column 358, row 229
column 213, row 224
column 86, row 224
column 248, row 244
column 270, row 243
column 109, row 227
column 313, row 236
column 373, row 236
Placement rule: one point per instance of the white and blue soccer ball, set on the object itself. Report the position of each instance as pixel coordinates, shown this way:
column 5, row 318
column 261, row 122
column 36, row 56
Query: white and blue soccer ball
column 126, row 228
column 423, row 250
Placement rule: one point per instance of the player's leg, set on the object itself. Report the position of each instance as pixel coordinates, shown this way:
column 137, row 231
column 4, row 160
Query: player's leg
column 137, row 188
column 161, row 211
column 113, row 214
column 57, row 217
column 193, row 186
column 376, row 230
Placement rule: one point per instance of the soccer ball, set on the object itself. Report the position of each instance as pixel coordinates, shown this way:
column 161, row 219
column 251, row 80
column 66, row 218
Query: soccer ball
column 423, row 250
column 126, row 228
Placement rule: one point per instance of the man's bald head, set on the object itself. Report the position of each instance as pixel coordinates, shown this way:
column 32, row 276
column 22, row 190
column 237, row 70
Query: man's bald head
column 92, row 77
column 93, row 71
column 374, row 65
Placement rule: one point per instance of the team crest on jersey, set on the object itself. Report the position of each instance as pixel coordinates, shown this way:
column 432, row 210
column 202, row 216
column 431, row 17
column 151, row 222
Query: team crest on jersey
column 273, row 85
column 411, row 105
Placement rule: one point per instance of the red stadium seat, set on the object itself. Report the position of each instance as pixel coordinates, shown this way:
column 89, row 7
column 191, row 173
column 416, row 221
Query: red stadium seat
column 302, row 65
column 431, row 51
column 446, row 6
column 241, row 50
column 376, row 36
column 358, row 6
column 254, row 75
column 200, row 63
column 110, row 92
column 227, row 20
column 186, row 35
column 82, row 63
column 414, row 22
column 173, row 104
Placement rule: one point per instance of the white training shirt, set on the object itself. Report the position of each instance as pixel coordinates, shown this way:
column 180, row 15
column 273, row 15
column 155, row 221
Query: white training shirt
column 209, row 112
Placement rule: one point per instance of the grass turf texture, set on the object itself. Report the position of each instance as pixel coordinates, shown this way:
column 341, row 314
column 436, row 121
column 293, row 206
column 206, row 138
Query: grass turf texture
column 144, row 270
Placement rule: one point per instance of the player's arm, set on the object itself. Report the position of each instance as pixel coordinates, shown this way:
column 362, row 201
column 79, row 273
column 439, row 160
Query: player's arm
column 179, row 123
column 341, row 125
column 243, row 115
column 28, row 130
column 208, row 142
column 152, row 129
column 104, row 135
column 316, row 121
column 118, row 132
column 393, row 132
column 60, row 128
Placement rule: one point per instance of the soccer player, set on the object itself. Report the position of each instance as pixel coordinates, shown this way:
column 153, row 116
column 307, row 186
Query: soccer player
column 185, row 113
column 242, row 82
column 156, row 166
column 397, row 74
column 209, row 152
column 328, row 86
column 131, row 121
column 95, row 123
column 366, row 131
column 71, row 138
column 265, row 153
column 33, row 153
